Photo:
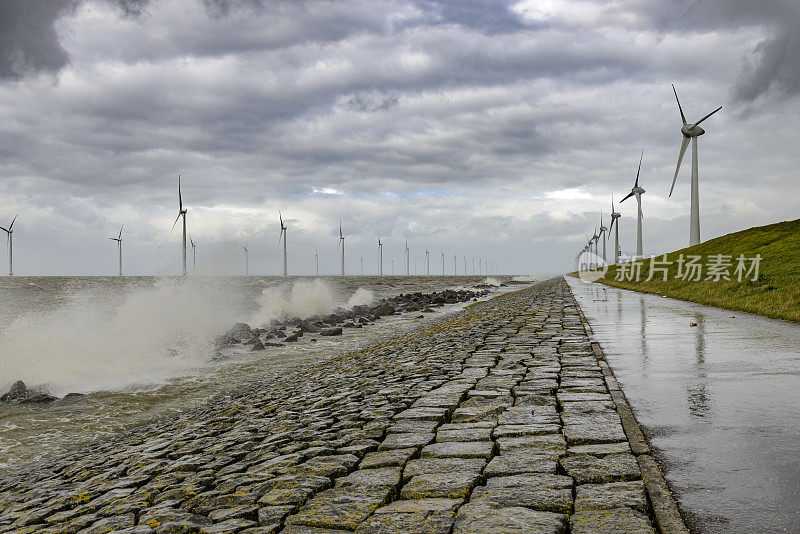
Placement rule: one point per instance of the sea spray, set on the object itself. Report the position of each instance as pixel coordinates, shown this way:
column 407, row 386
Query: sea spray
column 304, row 299
column 360, row 297
column 94, row 342
column 491, row 281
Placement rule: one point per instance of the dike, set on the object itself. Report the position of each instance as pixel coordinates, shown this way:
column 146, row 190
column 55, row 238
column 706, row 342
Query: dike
column 499, row 418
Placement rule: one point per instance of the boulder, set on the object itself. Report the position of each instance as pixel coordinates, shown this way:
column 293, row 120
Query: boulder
column 337, row 331
column 18, row 391
column 38, row 398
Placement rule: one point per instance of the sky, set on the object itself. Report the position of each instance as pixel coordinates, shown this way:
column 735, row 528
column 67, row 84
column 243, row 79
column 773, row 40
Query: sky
column 479, row 128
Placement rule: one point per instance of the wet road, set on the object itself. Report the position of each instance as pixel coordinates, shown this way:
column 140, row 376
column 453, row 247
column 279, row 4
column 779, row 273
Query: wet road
column 719, row 402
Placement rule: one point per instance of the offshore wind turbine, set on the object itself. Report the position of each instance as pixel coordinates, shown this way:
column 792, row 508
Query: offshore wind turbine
column 691, row 132
column 614, row 217
column 10, row 240
column 408, row 255
column 427, row 260
column 181, row 212
column 283, row 234
column 118, row 239
column 194, row 256
column 246, row 261
column 380, row 256
column 638, row 192
column 341, row 244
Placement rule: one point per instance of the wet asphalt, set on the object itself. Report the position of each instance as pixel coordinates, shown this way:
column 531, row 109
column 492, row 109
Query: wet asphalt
column 719, row 403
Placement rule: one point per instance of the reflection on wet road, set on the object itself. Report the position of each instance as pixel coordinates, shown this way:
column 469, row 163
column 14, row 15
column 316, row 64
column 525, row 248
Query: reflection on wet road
column 718, row 395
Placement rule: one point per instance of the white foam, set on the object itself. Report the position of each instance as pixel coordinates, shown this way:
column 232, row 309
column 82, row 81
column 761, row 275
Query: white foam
column 304, row 299
column 360, row 297
column 89, row 343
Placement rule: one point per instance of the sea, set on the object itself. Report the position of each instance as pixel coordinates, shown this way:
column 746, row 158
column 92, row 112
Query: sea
column 141, row 347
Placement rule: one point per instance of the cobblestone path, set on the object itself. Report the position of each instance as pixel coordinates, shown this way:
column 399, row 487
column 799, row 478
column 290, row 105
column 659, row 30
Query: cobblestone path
column 495, row 419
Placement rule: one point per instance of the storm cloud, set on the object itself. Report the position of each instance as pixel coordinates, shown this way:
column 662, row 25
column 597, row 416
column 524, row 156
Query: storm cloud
column 484, row 128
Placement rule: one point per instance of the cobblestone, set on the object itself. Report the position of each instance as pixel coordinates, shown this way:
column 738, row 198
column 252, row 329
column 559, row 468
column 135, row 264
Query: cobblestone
column 494, row 419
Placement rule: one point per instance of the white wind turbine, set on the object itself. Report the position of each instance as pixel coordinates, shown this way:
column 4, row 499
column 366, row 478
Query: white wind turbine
column 316, row 260
column 194, row 256
column 380, row 256
column 603, row 236
column 181, row 212
column 691, row 132
column 455, row 265
column 427, row 260
column 408, row 258
column 10, row 239
column 638, row 192
column 283, row 234
column 595, row 239
column 118, row 239
column 442, row 263
column 341, row 244
column 246, row 261
column 614, row 217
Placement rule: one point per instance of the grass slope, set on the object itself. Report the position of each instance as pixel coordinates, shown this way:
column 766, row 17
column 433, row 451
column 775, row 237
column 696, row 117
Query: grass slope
column 776, row 292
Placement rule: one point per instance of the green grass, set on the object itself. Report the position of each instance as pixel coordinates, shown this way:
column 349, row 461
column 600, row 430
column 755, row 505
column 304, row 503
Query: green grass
column 775, row 293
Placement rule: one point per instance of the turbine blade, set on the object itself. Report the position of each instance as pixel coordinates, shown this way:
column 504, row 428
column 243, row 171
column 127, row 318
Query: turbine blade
column 173, row 224
column 120, row 231
column 629, row 195
column 684, row 144
column 707, row 116
column 180, row 200
column 683, row 117
column 10, row 226
column 636, row 184
column 613, row 220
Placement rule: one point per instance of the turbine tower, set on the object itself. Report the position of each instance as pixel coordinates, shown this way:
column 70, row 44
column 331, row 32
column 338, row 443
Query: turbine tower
column 691, row 132
column 638, row 192
column 596, row 239
column 465, row 265
column 408, row 256
column 427, row 260
column 614, row 217
column 442, row 263
column 118, row 239
column 316, row 260
column 10, row 238
column 181, row 212
column 362, row 263
column 341, row 244
column 283, row 234
column 246, row 261
column 455, row 265
column 380, row 256
column 603, row 236
column 194, row 256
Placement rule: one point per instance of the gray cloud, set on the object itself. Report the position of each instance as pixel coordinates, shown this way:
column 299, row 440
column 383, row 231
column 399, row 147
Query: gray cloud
column 28, row 41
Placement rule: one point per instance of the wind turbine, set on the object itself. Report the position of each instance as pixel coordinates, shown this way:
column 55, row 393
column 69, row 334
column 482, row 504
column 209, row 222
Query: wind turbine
column 408, row 256
column 283, row 234
column 427, row 260
column 473, row 266
column 181, row 212
column 638, row 192
column 455, row 265
column 194, row 256
column 118, row 239
column 596, row 239
column 341, row 243
column 10, row 237
column 362, row 263
column 691, row 132
column 246, row 261
column 442, row 263
column 465, row 265
column 380, row 256
column 603, row 236
column 316, row 260
column 614, row 217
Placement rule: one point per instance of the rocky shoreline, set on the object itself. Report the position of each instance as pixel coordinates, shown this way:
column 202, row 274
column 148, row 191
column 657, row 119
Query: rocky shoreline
column 495, row 419
column 289, row 330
